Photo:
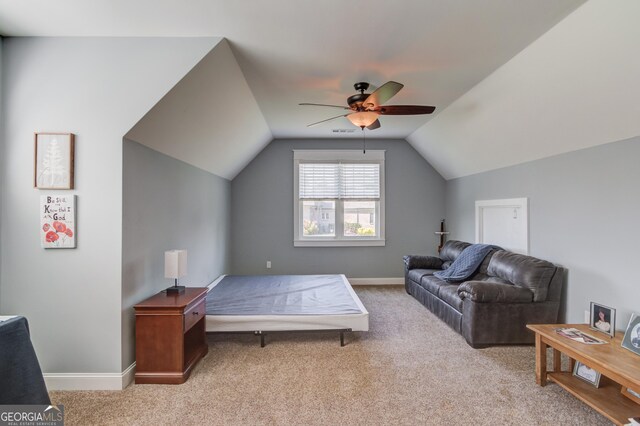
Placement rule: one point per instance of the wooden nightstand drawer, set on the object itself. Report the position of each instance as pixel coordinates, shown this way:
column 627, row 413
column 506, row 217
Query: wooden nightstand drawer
column 193, row 315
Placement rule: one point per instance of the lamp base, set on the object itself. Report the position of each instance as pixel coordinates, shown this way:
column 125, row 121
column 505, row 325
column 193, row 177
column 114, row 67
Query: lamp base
column 175, row 289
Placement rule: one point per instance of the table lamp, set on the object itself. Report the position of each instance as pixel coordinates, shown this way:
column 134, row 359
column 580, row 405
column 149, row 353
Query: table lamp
column 175, row 266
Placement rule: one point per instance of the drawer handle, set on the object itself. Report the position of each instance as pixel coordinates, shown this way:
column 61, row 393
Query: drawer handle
column 196, row 313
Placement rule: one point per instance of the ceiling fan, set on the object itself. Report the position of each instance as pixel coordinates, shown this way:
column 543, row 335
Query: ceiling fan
column 365, row 108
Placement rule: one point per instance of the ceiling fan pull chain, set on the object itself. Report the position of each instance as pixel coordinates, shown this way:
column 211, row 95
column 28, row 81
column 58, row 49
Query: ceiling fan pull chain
column 364, row 141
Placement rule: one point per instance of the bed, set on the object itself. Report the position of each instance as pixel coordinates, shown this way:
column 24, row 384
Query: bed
column 262, row 304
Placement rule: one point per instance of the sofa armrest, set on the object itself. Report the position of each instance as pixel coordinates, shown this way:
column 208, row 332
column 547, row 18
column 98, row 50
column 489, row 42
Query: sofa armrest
column 488, row 292
column 422, row 262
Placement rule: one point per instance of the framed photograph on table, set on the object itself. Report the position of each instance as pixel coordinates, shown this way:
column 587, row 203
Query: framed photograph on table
column 54, row 161
column 631, row 338
column 603, row 319
column 587, row 374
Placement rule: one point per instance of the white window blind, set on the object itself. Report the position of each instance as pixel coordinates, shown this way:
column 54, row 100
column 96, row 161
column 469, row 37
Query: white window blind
column 319, row 180
column 339, row 180
column 360, row 180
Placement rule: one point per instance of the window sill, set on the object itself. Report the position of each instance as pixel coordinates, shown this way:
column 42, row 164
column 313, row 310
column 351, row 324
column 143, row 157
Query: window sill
column 339, row 243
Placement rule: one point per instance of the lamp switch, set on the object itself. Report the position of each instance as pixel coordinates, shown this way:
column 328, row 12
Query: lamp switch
column 268, row 264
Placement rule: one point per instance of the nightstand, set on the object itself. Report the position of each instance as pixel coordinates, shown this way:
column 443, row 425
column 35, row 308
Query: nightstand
column 170, row 336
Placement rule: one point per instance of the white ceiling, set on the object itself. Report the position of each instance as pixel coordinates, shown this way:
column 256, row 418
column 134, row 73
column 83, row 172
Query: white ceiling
column 302, row 51
column 295, row 51
column 575, row 87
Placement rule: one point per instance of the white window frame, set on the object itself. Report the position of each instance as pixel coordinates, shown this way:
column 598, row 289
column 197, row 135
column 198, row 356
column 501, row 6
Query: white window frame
column 339, row 240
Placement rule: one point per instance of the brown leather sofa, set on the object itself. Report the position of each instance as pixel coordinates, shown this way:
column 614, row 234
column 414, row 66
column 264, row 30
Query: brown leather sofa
column 493, row 307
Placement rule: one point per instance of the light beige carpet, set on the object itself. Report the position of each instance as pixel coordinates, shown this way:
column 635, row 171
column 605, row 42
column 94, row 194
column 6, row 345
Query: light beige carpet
column 409, row 369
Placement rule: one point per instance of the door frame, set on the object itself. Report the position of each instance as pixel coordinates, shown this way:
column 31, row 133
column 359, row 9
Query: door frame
column 522, row 204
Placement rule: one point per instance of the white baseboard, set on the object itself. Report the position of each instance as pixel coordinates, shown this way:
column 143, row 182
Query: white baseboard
column 90, row 381
column 377, row 281
column 128, row 375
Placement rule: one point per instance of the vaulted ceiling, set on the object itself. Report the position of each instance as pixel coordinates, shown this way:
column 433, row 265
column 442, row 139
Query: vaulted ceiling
column 291, row 51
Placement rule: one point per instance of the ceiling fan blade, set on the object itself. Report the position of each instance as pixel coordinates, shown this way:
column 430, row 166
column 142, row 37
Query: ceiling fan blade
column 382, row 94
column 328, row 119
column 404, row 109
column 324, row 105
column 374, row 125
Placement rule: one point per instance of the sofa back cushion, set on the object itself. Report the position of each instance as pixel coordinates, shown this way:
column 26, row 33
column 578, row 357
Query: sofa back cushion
column 451, row 250
column 484, row 266
column 524, row 271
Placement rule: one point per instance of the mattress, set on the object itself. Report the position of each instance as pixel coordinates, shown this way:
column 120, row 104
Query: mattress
column 284, row 302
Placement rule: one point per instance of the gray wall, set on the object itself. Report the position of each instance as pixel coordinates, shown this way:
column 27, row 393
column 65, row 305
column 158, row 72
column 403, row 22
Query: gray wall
column 97, row 88
column 168, row 204
column 262, row 214
column 583, row 214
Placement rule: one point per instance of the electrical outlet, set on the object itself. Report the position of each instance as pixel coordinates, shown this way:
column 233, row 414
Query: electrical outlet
column 268, row 264
column 587, row 317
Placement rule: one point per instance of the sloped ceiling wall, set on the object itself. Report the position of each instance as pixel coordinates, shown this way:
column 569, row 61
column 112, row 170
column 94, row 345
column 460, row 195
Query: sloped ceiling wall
column 576, row 86
column 210, row 119
column 96, row 88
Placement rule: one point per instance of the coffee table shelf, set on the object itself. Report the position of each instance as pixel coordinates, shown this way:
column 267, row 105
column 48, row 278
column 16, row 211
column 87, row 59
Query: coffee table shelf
column 606, row 400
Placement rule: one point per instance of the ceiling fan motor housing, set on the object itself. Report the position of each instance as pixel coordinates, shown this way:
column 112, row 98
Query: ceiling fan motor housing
column 357, row 100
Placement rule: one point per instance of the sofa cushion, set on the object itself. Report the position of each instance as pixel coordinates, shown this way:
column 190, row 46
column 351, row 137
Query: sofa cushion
column 524, row 271
column 432, row 284
column 449, row 294
column 488, row 292
column 484, row 266
column 417, row 274
column 452, row 249
column 489, row 279
column 422, row 262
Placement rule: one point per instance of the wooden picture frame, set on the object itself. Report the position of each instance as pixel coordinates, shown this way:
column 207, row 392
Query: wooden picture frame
column 606, row 324
column 584, row 374
column 629, row 393
column 53, row 161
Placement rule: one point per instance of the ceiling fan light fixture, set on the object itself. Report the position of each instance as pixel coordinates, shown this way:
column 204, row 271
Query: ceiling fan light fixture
column 363, row 118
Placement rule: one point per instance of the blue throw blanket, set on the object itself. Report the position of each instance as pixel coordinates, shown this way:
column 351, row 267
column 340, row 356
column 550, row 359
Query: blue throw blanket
column 466, row 264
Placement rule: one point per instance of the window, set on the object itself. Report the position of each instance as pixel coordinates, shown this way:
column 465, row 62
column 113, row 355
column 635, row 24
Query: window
column 338, row 198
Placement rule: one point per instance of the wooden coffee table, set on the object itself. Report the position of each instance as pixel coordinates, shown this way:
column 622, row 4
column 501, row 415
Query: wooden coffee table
column 619, row 367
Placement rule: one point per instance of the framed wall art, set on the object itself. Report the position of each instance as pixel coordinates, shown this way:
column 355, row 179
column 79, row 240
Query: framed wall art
column 54, row 161
column 58, row 221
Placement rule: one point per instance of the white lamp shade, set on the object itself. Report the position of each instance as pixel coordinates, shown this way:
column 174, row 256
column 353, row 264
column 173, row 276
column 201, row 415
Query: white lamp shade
column 175, row 263
column 363, row 118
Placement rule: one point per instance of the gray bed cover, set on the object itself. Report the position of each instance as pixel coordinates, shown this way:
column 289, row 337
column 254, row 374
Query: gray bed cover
column 281, row 295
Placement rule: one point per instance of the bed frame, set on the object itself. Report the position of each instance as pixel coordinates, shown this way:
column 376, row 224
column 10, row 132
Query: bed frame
column 263, row 334
column 261, row 325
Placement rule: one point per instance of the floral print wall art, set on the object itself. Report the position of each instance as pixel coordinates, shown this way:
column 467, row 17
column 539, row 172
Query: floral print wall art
column 58, row 221
column 54, row 157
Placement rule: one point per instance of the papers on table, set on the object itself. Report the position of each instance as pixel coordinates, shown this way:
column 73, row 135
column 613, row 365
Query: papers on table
column 579, row 336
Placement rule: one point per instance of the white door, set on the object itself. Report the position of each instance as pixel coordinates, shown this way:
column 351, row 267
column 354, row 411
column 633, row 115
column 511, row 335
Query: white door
column 504, row 223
